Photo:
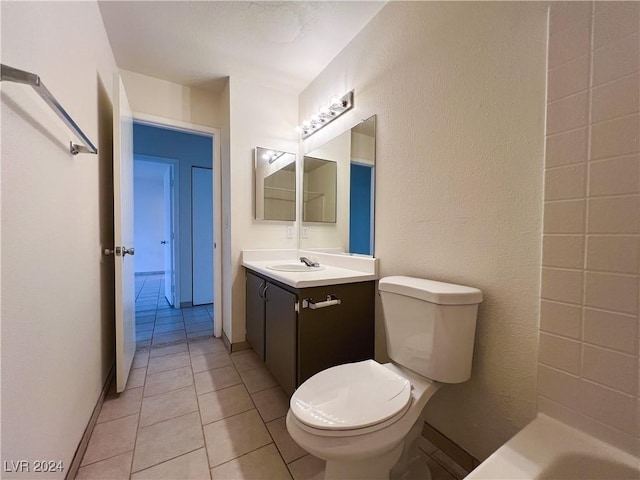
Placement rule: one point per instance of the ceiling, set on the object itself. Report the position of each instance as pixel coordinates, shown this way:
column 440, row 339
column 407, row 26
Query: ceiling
column 200, row 43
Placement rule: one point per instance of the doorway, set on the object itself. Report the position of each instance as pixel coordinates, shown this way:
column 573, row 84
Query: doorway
column 185, row 247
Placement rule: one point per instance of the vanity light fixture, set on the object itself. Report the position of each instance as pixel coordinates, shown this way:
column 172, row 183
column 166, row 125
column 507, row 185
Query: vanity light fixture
column 337, row 106
column 272, row 155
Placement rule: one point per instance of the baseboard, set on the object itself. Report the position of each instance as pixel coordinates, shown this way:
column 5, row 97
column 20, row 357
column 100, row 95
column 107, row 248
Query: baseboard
column 234, row 347
column 449, row 447
column 186, row 304
column 84, row 441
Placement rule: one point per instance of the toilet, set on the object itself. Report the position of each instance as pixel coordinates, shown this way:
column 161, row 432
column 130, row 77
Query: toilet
column 364, row 418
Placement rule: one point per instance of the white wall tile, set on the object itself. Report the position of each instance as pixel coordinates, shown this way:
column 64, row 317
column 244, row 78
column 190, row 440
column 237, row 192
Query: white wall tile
column 568, row 113
column 614, row 23
column 570, row 78
column 617, row 254
column 615, row 99
column 608, row 406
column 614, row 215
column 617, row 293
column 560, row 353
column 558, row 386
column 612, row 330
column 564, row 217
column 562, row 285
column 618, row 176
column 566, row 14
column 616, row 60
column 612, row 369
column 570, row 43
column 561, row 319
column 566, row 148
column 565, row 251
column 565, row 183
column 615, row 138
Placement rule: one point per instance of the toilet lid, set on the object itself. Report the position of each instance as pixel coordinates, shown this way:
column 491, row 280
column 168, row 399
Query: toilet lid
column 351, row 396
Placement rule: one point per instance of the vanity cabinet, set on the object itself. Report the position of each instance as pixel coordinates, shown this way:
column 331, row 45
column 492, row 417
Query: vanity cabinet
column 298, row 341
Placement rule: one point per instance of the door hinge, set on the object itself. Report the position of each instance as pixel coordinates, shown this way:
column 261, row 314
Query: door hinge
column 172, row 288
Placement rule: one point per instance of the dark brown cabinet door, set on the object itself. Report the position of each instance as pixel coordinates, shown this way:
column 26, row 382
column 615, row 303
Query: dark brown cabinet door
column 255, row 313
column 281, row 336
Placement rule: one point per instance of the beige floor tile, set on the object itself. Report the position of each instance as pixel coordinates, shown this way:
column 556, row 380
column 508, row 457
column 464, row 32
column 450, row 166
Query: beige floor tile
column 235, row 436
column 141, row 359
column 121, row 405
column 307, row 468
column 111, row 438
column 217, row 379
column 114, row 468
column 166, row 440
column 136, row 378
column 167, row 381
column 164, row 406
column 207, row 346
column 258, row 379
column 271, row 403
column 263, row 464
column 224, row 403
column 246, row 360
column 192, row 466
column 168, row 362
column 209, row 361
column 287, row 446
column 170, row 350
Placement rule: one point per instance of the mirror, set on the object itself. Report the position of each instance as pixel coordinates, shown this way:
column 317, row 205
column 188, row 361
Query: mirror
column 275, row 185
column 352, row 157
column 320, row 190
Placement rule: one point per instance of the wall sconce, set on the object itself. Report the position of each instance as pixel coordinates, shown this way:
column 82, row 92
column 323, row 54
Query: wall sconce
column 272, row 155
column 326, row 115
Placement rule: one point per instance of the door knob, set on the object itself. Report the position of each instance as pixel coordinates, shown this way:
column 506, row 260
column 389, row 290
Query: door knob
column 163, row 242
column 128, row 251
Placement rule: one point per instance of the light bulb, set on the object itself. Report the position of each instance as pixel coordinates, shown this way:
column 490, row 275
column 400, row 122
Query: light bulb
column 325, row 112
column 299, row 129
column 306, row 124
column 335, row 102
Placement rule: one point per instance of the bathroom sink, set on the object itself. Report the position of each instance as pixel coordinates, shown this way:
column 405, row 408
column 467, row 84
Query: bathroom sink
column 294, row 267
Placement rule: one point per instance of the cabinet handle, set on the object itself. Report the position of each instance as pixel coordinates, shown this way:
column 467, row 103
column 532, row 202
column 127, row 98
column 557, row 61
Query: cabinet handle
column 261, row 291
column 264, row 292
column 329, row 302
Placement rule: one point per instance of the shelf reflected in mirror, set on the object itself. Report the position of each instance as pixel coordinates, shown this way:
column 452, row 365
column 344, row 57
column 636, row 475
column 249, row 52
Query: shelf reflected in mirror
column 275, row 185
column 352, row 155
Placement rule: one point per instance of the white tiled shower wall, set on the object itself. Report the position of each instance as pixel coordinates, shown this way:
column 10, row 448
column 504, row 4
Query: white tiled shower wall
column 588, row 373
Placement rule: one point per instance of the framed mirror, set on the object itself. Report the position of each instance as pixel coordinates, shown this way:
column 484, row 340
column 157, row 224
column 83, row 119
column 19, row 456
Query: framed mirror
column 319, row 190
column 275, row 192
column 352, row 155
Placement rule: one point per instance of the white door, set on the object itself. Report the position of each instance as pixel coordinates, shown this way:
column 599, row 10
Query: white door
column 123, row 234
column 202, row 234
column 169, row 238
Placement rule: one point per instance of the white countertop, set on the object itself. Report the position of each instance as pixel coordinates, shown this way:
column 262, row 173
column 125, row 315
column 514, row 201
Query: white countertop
column 338, row 269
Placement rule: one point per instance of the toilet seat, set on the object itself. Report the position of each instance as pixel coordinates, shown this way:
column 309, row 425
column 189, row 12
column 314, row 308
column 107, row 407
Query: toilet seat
column 351, row 399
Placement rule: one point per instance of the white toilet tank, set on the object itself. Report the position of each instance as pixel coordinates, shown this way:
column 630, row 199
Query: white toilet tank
column 430, row 326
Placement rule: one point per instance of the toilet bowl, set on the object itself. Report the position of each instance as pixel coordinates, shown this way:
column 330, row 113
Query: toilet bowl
column 365, row 441
column 364, row 418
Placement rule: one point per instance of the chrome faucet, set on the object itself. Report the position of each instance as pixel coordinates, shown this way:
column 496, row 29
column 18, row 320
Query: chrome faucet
column 308, row 262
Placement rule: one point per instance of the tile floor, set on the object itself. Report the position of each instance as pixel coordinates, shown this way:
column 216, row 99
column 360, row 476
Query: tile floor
column 192, row 411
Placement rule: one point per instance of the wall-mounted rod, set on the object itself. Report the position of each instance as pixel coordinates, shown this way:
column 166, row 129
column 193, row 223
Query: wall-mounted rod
column 10, row 74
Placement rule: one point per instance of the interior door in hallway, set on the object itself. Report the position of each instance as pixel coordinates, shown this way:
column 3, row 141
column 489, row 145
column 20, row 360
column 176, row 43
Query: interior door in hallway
column 169, row 237
column 202, row 234
column 125, row 317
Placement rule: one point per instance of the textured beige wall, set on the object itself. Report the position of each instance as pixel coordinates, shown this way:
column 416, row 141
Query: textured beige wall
column 588, row 370
column 259, row 116
column 57, row 215
column 160, row 98
column 458, row 89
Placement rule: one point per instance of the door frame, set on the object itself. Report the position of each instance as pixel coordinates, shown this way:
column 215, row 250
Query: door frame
column 216, row 163
column 176, row 206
